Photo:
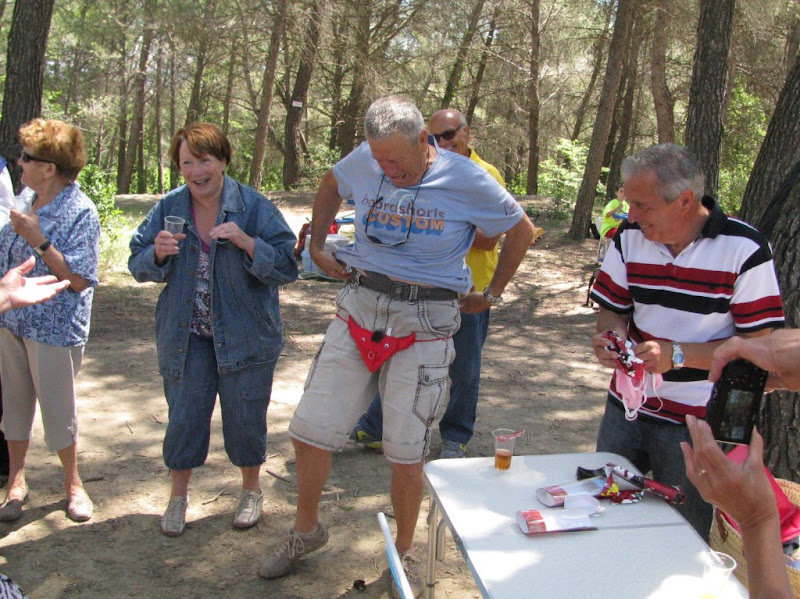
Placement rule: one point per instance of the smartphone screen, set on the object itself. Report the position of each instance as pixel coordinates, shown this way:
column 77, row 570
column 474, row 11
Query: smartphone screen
column 735, row 401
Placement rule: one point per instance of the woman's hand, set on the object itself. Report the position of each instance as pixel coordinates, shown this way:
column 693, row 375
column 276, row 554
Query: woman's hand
column 230, row 232
column 166, row 245
column 27, row 227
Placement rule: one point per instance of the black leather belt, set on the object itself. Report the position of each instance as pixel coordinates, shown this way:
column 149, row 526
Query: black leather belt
column 401, row 291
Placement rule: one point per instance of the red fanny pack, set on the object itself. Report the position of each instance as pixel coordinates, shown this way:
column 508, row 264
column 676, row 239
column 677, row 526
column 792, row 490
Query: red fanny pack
column 376, row 346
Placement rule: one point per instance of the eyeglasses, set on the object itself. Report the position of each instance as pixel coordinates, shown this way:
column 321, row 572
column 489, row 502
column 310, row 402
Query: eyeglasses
column 399, row 210
column 28, row 158
column 447, row 135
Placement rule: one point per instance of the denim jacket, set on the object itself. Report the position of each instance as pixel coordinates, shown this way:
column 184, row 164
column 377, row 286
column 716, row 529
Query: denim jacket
column 246, row 317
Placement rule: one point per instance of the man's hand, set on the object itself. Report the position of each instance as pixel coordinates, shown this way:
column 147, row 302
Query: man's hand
column 474, row 302
column 656, row 355
column 16, row 291
column 605, row 356
column 778, row 353
column 328, row 262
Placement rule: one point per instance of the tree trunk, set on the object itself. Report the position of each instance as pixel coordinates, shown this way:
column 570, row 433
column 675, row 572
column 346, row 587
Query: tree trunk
column 226, row 103
column 779, row 420
column 458, row 66
column 173, row 112
column 779, row 150
column 627, row 114
column 598, row 55
column 792, row 44
column 339, row 47
column 137, row 121
column 709, row 84
column 532, row 187
column 267, row 84
column 122, row 116
column 476, row 83
column 296, row 104
column 351, row 114
column 22, row 98
column 158, row 128
column 663, row 101
column 602, row 125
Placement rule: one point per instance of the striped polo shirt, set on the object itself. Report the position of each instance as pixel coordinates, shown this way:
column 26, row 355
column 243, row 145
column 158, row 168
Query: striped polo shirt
column 722, row 284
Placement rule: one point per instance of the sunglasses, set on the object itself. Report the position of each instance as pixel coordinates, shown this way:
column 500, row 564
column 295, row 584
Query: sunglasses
column 447, row 135
column 378, row 199
column 28, row 158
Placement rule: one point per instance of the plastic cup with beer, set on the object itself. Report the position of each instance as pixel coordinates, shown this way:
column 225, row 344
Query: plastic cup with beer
column 173, row 224
column 504, row 439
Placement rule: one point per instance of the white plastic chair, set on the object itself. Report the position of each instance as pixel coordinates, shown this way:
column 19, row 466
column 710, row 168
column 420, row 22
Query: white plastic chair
column 395, row 564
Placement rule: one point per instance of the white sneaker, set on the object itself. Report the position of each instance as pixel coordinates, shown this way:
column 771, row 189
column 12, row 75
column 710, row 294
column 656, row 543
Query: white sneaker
column 174, row 519
column 248, row 513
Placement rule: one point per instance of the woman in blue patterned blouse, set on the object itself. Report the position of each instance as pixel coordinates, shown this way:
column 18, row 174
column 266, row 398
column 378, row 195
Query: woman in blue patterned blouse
column 41, row 346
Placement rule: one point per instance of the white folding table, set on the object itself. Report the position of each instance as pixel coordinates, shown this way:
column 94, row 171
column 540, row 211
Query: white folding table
column 644, row 550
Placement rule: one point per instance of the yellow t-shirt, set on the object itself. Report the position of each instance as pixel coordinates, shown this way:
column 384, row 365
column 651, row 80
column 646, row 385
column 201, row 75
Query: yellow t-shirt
column 483, row 262
column 609, row 222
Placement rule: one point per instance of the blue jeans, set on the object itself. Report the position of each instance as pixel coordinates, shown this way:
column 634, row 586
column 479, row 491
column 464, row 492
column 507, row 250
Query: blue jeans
column 653, row 445
column 458, row 422
column 243, row 396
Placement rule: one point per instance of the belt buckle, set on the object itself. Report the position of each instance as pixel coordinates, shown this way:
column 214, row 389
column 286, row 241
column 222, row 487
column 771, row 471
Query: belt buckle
column 396, row 290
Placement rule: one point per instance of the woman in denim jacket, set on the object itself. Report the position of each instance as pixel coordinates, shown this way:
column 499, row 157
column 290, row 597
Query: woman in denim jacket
column 218, row 323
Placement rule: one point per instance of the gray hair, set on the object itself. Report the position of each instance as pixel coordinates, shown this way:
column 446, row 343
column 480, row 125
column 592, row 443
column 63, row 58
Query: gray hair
column 393, row 114
column 676, row 169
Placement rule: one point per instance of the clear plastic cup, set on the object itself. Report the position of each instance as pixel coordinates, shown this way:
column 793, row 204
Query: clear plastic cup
column 717, row 570
column 503, row 447
column 173, row 224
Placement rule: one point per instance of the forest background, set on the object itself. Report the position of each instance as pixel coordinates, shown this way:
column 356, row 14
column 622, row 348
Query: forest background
column 556, row 93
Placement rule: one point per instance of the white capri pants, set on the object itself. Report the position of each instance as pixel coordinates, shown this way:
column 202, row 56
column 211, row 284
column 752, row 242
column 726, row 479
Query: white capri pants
column 31, row 370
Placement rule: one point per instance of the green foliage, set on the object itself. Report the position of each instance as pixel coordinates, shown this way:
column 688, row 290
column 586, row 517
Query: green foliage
column 98, row 186
column 560, row 178
column 746, row 126
column 319, row 161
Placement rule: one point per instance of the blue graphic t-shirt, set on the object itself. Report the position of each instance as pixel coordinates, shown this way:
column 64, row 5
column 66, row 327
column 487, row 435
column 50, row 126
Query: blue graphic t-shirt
column 71, row 224
column 425, row 230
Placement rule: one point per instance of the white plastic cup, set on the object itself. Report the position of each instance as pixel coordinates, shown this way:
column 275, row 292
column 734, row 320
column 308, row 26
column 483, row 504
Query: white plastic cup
column 174, row 225
column 717, row 570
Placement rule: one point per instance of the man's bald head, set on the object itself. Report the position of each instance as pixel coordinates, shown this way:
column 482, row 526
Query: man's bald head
column 450, row 123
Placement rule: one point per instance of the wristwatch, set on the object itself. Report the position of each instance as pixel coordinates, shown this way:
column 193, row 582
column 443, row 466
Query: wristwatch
column 41, row 249
column 677, row 356
column 492, row 299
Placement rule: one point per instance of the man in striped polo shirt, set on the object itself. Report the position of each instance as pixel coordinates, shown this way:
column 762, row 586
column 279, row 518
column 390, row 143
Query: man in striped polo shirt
column 678, row 280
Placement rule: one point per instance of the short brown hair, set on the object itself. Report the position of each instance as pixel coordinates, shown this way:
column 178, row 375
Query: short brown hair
column 58, row 142
column 201, row 138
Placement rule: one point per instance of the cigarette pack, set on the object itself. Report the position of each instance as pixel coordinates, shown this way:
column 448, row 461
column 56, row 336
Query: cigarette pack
column 538, row 522
column 554, row 495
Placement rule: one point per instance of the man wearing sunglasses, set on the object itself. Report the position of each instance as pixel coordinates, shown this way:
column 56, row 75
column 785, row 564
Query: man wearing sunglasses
column 416, row 212
column 450, row 130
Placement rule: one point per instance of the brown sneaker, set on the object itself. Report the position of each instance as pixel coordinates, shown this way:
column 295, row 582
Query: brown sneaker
column 294, row 546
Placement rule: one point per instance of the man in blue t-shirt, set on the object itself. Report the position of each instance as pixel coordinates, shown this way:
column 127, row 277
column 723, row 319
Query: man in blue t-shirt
column 416, row 213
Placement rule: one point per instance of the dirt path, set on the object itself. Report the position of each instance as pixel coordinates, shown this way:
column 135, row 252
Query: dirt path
column 539, row 373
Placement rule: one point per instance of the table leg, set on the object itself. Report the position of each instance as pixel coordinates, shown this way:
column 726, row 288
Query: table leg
column 433, row 534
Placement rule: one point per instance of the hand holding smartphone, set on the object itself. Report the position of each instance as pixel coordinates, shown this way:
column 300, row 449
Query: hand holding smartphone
column 735, row 400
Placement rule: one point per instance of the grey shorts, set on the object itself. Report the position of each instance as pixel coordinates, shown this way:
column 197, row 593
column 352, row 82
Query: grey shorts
column 30, row 369
column 413, row 382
